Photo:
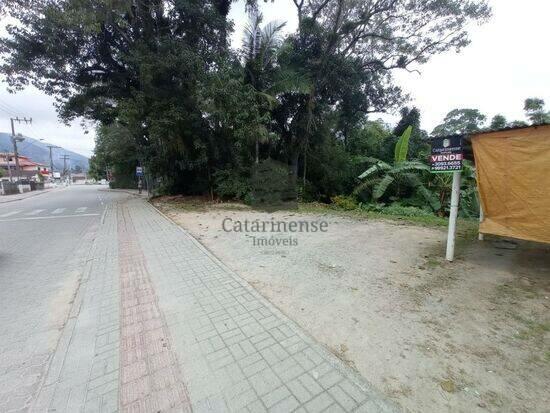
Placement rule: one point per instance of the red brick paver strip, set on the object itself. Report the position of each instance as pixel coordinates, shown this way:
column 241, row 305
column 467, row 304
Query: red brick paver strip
column 150, row 378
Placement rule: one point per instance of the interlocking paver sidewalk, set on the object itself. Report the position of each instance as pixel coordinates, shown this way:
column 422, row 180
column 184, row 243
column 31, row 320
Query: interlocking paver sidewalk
column 237, row 352
column 159, row 324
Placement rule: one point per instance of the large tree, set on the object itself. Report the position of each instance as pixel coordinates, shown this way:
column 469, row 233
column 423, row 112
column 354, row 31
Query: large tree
column 163, row 71
column 498, row 122
column 359, row 43
column 460, row 121
column 534, row 109
column 140, row 64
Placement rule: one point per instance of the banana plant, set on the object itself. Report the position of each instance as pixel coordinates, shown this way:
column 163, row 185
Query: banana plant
column 401, row 174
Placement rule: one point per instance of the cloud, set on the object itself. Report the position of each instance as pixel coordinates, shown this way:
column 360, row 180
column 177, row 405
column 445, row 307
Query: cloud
column 504, row 64
column 32, row 103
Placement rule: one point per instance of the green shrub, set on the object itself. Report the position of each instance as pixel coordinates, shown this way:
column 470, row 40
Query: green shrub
column 397, row 209
column 231, row 184
column 272, row 186
column 346, row 203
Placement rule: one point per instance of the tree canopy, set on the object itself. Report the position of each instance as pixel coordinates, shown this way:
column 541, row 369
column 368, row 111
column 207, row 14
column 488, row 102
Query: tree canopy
column 535, row 111
column 459, row 121
column 166, row 90
column 498, row 122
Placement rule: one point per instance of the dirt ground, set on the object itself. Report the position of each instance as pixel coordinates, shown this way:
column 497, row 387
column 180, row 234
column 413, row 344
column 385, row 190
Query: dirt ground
column 467, row 336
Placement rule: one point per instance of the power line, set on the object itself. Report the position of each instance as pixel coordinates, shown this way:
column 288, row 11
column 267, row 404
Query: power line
column 7, row 111
column 10, row 107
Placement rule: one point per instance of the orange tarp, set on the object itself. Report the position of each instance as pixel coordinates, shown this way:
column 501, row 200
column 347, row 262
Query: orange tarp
column 513, row 170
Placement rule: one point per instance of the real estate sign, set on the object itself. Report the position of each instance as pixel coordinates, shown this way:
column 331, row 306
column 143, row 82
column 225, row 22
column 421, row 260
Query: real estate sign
column 447, row 154
column 139, row 171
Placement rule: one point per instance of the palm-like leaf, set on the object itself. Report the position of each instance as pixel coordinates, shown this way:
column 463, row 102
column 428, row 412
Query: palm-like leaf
column 252, row 36
column 261, row 44
column 366, row 185
column 402, row 173
column 271, row 100
column 382, row 186
column 271, row 40
column 379, row 166
column 402, row 146
column 410, row 166
column 290, row 81
column 429, row 196
column 358, row 159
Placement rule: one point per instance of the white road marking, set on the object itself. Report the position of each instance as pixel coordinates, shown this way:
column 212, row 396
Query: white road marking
column 49, row 217
column 81, row 210
column 58, row 210
column 35, row 212
column 9, row 214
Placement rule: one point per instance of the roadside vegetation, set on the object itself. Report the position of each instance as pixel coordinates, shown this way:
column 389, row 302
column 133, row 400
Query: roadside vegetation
column 165, row 90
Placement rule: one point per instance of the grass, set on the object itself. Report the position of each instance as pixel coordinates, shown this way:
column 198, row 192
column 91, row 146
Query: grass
column 466, row 228
column 533, row 330
column 432, row 263
column 196, row 204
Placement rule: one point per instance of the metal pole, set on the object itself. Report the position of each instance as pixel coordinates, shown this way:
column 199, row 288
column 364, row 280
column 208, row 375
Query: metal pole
column 455, row 199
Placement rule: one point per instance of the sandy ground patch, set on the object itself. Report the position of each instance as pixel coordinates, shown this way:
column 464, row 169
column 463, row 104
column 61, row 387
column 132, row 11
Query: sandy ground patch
column 468, row 336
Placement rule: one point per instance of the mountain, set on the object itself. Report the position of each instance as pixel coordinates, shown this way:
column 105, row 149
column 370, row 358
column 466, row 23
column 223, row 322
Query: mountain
column 38, row 152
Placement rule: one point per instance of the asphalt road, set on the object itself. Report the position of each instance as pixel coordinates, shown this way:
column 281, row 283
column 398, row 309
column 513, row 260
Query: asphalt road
column 44, row 245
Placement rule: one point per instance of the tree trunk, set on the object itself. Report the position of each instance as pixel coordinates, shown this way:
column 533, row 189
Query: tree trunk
column 210, row 185
column 294, row 158
column 257, row 151
column 305, row 163
column 310, row 106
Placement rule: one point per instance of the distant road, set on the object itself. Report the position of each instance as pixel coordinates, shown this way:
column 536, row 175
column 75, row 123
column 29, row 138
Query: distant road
column 44, row 245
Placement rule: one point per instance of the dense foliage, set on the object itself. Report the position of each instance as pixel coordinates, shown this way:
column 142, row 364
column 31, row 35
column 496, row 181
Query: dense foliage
column 167, row 91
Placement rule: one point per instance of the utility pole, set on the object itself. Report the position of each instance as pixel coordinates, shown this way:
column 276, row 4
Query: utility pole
column 16, row 139
column 50, row 147
column 65, row 157
column 9, row 166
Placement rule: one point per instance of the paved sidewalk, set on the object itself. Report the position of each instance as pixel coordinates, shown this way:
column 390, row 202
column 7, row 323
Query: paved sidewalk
column 159, row 324
column 18, row 197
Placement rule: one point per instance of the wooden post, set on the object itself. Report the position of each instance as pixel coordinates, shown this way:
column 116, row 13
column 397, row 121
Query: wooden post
column 480, row 236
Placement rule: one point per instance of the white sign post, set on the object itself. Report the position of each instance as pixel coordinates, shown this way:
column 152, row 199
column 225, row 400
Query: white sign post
column 446, row 157
column 455, row 200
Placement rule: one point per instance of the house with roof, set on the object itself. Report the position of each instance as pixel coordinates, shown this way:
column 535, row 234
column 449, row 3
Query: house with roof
column 29, row 169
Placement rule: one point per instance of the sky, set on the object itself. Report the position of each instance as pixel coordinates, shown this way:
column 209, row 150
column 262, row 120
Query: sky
column 505, row 63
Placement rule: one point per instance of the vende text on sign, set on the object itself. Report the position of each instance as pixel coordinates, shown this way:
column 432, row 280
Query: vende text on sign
column 446, row 154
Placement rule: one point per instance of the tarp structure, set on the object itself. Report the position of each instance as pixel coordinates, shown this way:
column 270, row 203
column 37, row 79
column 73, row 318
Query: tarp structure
column 513, row 170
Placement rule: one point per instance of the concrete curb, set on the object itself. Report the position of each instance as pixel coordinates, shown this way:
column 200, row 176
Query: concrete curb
column 128, row 191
